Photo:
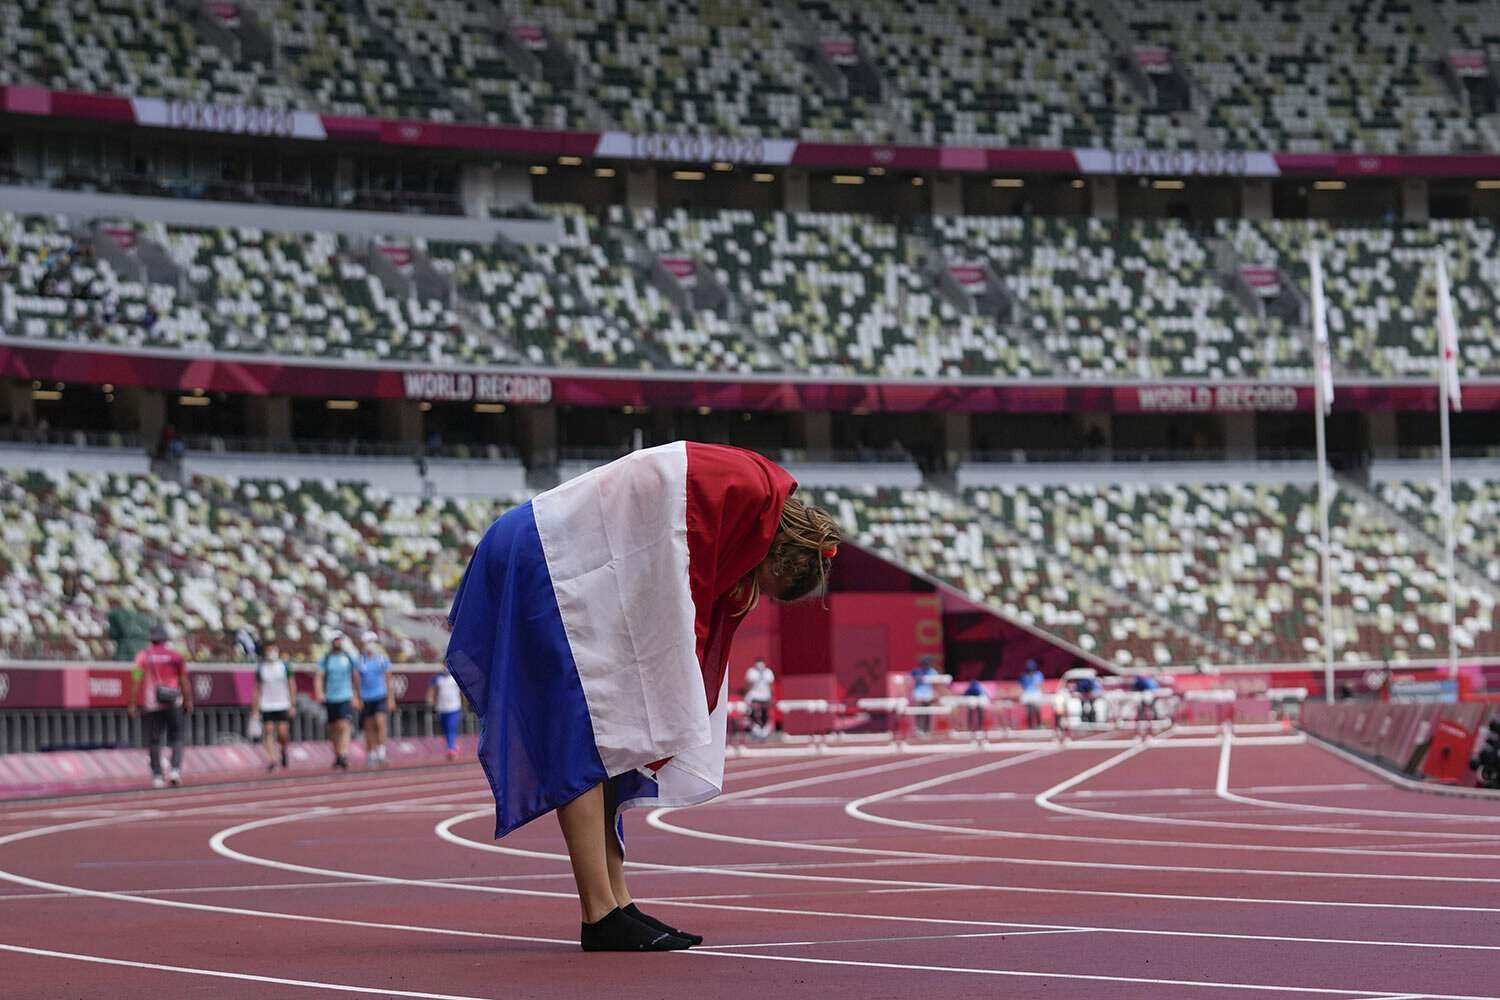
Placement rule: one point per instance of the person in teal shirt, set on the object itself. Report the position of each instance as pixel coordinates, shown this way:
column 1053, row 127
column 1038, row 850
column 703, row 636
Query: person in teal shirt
column 375, row 692
column 333, row 685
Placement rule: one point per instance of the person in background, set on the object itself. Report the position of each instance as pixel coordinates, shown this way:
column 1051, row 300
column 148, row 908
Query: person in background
column 923, row 693
column 1031, row 694
column 447, row 701
column 275, row 701
column 375, row 692
column 333, row 685
column 159, row 686
column 1088, row 691
column 976, row 708
column 759, row 695
column 1145, row 687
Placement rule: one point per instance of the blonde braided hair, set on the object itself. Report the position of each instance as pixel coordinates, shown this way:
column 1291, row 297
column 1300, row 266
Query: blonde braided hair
column 801, row 554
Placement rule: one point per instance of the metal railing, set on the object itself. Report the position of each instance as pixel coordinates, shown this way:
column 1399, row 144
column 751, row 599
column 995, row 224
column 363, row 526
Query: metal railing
column 43, row 730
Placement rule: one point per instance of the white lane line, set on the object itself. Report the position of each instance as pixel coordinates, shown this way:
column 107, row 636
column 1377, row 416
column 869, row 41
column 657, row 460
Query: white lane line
column 1045, row 800
column 380, row 991
column 264, row 914
column 219, row 842
column 1221, row 789
column 856, row 809
column 365, row 782
column 445, row 831
column 885, row 940
column 199, row 890
column 805, row 913
column 73, row 890
column 1078, row 976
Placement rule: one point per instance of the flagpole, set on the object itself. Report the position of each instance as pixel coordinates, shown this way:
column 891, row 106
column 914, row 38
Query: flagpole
column 1322, row 397
column 1448, row 528
column 1327, row 552
column 1448, row 395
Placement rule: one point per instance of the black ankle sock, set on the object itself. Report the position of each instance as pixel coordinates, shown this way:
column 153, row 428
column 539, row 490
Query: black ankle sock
column 651, row 921
column 618, row 931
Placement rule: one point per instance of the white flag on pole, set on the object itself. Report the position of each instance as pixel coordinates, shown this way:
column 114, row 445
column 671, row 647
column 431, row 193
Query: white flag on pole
column 1448, row 336
column 1323, row 359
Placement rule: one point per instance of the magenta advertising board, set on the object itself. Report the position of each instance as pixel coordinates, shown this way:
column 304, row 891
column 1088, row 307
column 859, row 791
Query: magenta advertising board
column 580, row 387
column 230, row 118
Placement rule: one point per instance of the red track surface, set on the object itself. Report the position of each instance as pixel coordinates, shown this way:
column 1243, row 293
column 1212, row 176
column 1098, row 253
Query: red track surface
column 1104, row 869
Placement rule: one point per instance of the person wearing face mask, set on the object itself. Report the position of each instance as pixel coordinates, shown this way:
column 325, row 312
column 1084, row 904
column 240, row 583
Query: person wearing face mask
column 333, row 685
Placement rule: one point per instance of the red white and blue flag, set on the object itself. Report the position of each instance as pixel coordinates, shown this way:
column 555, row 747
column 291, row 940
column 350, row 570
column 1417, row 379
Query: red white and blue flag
column 591, row 628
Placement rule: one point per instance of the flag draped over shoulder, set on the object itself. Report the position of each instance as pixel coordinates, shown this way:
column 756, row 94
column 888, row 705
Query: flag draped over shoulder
column 591, row 628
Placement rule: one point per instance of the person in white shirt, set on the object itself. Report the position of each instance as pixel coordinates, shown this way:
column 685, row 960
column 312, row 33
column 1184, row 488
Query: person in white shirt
column 275, row 702
column 447, row 703
column 759, row 694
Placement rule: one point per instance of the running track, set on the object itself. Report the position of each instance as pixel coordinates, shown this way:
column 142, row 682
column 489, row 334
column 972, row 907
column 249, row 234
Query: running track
column 1187, row 866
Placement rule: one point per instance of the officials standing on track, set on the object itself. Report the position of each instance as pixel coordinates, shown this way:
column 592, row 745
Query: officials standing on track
column 158, row 684
column 333, row 685
column 759, row 696
column 447, row 702
column 376, row 694
column 923, row 693
column 1031, row 694
column 275, row 701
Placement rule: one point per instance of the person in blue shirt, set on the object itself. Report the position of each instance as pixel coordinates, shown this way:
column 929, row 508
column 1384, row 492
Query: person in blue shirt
column 1031, row 694
column 1145, row 687
column 923, row 693
column 375, row 692
column 333, row 685
column 977, row 696
column 1088, row 690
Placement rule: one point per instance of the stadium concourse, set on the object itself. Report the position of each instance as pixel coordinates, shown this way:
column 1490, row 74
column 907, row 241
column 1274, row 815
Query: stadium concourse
column 298, row 296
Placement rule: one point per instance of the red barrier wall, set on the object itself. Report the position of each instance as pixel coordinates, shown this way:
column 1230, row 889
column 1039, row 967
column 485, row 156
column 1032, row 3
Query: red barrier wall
column 1428, row 738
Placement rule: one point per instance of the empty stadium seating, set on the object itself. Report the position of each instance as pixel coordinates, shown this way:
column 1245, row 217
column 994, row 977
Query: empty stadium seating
column 939, row 535
column 88, row 542
column 833, row 293
column 1324, row 76
column 1123, row 298
column 459, row 43
column 59, row 288
column 1149, row 573
column 1476, row 504
column 1380, row 283
column 1239, row 562
column 307, row 293
column 144, row 48
column 1321, row 75
column 729, row 68
column 292, row 558
column 348, row 64
column 825, row 293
